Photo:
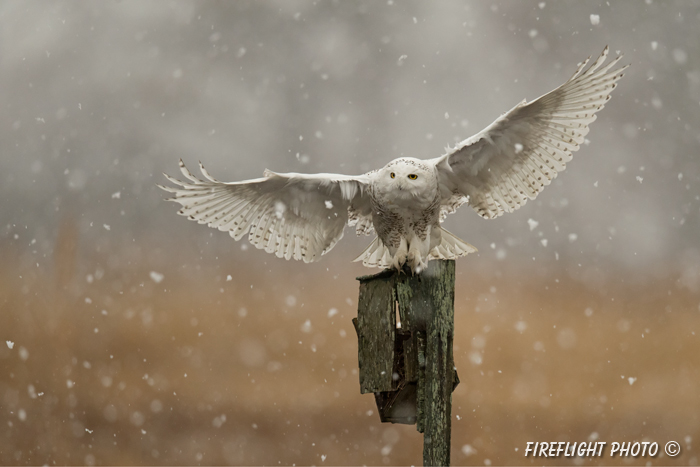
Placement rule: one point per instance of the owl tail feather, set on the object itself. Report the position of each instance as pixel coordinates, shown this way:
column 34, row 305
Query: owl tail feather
column 451, row 247
column 376, row 255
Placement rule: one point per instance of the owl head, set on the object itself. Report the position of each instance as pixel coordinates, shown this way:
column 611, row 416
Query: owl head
column 408, row 178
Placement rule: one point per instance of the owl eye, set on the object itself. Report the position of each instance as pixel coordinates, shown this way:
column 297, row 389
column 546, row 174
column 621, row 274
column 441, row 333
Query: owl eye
column 413, row 176
column 393, row 175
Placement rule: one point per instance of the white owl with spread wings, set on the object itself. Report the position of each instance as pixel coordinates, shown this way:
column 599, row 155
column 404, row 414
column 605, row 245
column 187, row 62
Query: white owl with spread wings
column 302, row 216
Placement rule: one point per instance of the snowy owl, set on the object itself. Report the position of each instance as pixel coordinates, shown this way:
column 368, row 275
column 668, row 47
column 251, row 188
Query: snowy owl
column 302, row 216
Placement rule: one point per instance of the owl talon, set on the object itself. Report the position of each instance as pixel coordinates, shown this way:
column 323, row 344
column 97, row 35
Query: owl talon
column 399, row 261
column 400, row 255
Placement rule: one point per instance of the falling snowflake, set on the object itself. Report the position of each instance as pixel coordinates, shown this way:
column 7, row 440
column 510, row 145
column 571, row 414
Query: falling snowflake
column 156, row 277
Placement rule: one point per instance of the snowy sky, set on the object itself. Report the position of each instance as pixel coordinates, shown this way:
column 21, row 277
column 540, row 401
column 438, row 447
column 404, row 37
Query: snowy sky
column 129, row 335
column 101, row 97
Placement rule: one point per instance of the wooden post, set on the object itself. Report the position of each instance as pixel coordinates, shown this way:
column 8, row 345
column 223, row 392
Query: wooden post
column 410, row 369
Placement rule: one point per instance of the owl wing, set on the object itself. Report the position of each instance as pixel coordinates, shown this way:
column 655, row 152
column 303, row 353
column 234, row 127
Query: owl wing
column 300, row 216
column 515, row 157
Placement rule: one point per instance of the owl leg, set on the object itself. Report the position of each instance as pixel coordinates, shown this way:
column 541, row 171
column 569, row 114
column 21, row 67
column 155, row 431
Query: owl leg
column 400, row 255
column 417, row 258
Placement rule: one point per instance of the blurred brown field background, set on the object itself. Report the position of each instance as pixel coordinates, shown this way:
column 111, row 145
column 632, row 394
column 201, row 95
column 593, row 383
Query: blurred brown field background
column 210, row 368
column 129, row 335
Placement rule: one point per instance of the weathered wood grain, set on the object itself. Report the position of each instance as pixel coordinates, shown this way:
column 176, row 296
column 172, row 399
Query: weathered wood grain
column 411, row 370
column 376, row 328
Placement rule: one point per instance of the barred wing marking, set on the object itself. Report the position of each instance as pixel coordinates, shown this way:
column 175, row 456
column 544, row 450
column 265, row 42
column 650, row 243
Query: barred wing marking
column 300, row 216
column 515, row 157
